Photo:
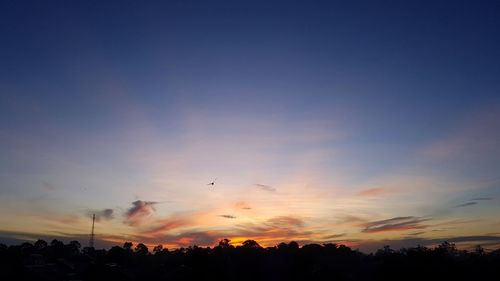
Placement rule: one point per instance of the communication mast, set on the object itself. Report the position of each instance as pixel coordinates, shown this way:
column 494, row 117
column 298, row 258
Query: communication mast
column 91, row 241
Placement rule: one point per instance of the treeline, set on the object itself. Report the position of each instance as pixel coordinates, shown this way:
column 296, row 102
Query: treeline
column 250, row 261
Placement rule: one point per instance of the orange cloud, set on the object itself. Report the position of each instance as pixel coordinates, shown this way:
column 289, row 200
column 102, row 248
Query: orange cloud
column 242, row 205
column 285, row 221
column 166, row 225
column 273, row 231
column 269, row 233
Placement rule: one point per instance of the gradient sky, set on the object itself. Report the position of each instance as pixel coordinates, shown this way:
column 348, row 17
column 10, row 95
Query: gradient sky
column 357, row 122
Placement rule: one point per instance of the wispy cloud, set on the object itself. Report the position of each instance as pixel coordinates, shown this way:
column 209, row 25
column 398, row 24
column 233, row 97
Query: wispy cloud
column 183, row 238
column 350, row 220
column 227, row 216
column 475, row 141
column 242, row 205
column 482, row 198
column 139, row 211
column 105, row 214
column 47, row 186
column 333, row 236
column 285, row 221
column 266, row 187
column 395, row 224
column 165, row 225
column 269, row 232
column 197, row 238
column 373, row 192
column 473, row 201
column 445, row 225
column 465, row 204
column 273, row 231
column 66, row 219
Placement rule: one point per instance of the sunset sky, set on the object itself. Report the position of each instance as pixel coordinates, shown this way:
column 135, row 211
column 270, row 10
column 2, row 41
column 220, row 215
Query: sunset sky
column 357, row 122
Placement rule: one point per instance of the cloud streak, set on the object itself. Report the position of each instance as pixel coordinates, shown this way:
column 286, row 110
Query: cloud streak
column 242, row 205
column 465, row 204
column 270, row 232
column 333, row 236
column 482, row 198
column 285, row 221
column 165, row 225
column 266, row 187
column 373, row 192
column 395, row 224
column 227, row 216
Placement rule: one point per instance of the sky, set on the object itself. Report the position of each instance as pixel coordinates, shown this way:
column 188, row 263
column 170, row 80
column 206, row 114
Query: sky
column 362, row 123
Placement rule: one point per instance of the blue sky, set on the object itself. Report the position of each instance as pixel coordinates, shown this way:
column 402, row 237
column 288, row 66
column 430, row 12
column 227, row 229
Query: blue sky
column 382, row 111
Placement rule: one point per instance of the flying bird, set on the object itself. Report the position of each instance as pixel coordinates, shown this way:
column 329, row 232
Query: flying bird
column 212, row 183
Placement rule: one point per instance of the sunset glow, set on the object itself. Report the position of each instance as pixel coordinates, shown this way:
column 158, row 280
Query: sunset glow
column 365, row 130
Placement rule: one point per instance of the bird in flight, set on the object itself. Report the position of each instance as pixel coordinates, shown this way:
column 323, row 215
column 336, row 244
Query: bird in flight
column 212, row 183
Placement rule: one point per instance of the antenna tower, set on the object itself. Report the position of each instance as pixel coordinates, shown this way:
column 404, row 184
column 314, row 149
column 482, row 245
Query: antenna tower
column 91, row 241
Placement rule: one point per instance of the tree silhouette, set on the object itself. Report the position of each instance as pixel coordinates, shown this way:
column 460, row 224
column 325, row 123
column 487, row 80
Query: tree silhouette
column 141, row 249
column 385, row 251
column 56, row 244
column 447, row 248
column 158, row 249
column 128, row 246
column 478, row 250
column 250, row 244
column 286, row 261
column 73, row 248
column 40, row 244
column 225, row 243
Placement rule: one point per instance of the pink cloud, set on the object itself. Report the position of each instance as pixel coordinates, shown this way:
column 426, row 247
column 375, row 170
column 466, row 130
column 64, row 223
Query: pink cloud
column 476, row 139
column 242, row 205
column 166, row 225
column 373, row 192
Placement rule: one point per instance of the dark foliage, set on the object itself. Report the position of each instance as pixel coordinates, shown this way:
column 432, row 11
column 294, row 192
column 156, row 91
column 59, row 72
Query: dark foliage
column 59, row 261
